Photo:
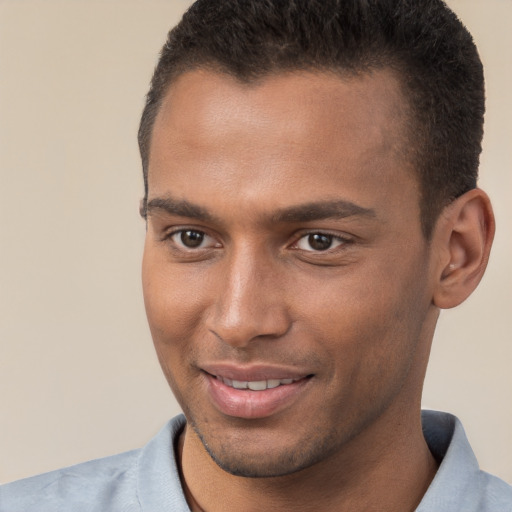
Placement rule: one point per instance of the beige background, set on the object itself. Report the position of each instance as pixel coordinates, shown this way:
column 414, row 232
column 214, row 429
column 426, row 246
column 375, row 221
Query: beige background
column 78, row 377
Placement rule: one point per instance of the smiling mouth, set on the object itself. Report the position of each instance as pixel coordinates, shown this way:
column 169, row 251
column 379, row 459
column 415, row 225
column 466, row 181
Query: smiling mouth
column 256, row 385
column 259, row 397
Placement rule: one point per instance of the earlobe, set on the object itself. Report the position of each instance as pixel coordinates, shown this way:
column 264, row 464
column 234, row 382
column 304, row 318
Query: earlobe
column 463, row 238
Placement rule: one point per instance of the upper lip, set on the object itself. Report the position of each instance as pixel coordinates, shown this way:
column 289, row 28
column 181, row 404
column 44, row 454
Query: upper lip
column 252, row 373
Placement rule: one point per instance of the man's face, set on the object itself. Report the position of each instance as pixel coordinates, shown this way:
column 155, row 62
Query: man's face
column 286, row 278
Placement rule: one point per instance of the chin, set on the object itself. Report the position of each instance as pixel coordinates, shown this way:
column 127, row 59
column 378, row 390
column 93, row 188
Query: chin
column 260, row 461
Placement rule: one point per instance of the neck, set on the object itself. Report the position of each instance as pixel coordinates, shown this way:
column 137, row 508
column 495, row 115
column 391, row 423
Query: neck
column 373, row 473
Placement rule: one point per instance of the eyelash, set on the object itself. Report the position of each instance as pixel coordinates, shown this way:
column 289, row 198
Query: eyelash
column 333, row 238
column 170, row 237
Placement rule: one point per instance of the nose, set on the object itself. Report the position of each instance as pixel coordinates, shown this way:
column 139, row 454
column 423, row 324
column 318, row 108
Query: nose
column 250, row 301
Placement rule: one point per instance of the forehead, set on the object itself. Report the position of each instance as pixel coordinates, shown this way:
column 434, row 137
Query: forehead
column 201, row 101
column 300, row 131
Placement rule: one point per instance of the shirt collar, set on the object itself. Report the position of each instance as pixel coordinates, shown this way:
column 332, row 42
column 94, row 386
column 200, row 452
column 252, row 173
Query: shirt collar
column 456, row 486
column 158, row 481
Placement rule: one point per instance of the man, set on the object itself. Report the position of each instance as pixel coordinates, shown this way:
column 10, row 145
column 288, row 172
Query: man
column 311, row 203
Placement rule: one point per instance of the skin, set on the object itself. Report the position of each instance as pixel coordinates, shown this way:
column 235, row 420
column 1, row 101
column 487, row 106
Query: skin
column 251, row 171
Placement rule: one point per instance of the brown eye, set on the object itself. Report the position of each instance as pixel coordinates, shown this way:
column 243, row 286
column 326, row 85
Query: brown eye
column 318, row 242
column 191, row 239
column 192, row 242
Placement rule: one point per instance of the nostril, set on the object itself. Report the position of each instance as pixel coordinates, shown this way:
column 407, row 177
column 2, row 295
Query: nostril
column 243, row 333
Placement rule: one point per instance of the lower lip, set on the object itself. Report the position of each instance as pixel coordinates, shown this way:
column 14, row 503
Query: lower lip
column 248, row 404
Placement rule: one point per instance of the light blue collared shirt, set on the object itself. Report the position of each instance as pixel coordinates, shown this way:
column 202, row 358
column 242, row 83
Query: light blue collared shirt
column 147, row 480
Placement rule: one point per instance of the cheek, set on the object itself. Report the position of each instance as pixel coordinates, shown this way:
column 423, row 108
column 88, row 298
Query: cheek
column 173, row 303
column 369, row 323
column 173, row 315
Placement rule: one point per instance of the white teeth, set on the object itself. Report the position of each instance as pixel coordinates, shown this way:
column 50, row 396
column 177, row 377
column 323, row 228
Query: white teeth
column 238, row 384
column 256, row 385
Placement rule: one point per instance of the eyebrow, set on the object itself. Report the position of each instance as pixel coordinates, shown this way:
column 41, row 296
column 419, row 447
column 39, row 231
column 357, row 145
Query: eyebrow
column 307, row 212
column 179, row 207
column 320, row 210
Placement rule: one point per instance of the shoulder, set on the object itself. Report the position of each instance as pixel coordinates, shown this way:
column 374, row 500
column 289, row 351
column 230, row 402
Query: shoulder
column 83, row 487
column 460, row 484
column 146, row 478
column 496, row 495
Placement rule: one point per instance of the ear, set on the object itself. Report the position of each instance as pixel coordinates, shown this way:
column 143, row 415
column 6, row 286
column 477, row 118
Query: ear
column 463, row 237
column 143, row 207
